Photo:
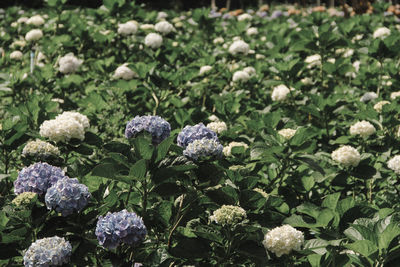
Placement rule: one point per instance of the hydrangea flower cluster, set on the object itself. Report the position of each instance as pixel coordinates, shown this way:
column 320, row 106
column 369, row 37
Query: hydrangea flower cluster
column 155, row 125
column 228, row 149
column 33, row 35
column 50, row 251
column 120, row 227
column 280, row 93
column 282, row 240
column 67, row 196
column 24, row 199
column 362, row 128
column 124, row 72
column 69, row 63
column 40, row 149
column 202, row 148
column 37, row 178
column 127, row 28
column 153, row 40
column 228, row 215
column 347, row 156
column 239, row 47
column 394, row 164
column 36, row 20
column 378, row 106
column 287, row 133
column 65, row 126
column 368, row 96
column 217, row 126
column 196, row 132
column 164, row 27
column 381, row 33
column 240, row 76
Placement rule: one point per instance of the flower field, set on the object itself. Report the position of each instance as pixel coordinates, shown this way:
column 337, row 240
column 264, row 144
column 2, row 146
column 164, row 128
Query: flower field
column 131, row 137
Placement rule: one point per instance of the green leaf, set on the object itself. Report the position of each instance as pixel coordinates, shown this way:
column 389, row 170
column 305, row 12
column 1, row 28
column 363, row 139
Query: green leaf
column 308, row 182
column 164, row 212
column 364, row 247
column 107, row 170
column 163, row 147
column 3, row 219
column 143, row 146
column 138, row 170
column 331, row 201
column 391, row 232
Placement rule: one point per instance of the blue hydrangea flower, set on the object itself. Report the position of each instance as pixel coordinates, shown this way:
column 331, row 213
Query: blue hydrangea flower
column 155, row 125
column 120, row 227
column 50, row 251
column 67, row 196
column 37, row 178
column 196, row 132
column 203, row 148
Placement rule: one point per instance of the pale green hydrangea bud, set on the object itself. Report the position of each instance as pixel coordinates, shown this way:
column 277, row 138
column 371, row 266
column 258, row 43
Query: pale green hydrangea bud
column 228, row 215
column 24, row 199
column 40, row 148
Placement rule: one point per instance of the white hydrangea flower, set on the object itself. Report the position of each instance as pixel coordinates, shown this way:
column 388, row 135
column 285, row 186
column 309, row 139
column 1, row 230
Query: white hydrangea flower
column 244, row 16
column 252, row 31
column 16, row 55
column 22, row 20
column 250, row 70
column 218, row 40
column 394, row 164
column 381, row 33
column 262, row 192
column 241, row 76
column 153, row 40
column 205, row 69
column 307, row 81
column 164, row 27
column 36, row 20
column 394, row 95
column 287, row 133
column 127, row 28
column 217, row 126
column 346, row 52
column 228, row 149
column 18, row 43
column 146, row 27
column 356, row 65
column 239, row 46
column 162, row 15
column 260, row 56
column 82, row 119
column 312, row 61
column 368, row 96
column 69, row 63
column 40, row 148
column 347, row 156
column 33, row 35
column 280, row 93
column 282, row 240
column 228, row 215
column 124, row 72
column 378, row 106
column 362, row 128
column 213, row 118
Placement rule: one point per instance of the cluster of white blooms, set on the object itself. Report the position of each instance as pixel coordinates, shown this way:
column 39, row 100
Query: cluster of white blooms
column 205, row 69
column 287, row 133
column 69, row 63
column 213, row 118
column 153, row 40
column 394, row 95
column 346, row 52
column 40, row 148
column 164, row 27
column 252, row 31
column 378, row 106
column 347, row 156
column 394, row 164
column 228, row 149
column 24, row 199
column 240, row 76
column 244, row 16
column 217, row 126
column 22, row 20
column 123, row 72
column 16, row 55
column 250, row 71
column 36, row 20
column 146, row 27
column 33, row 35
column 368, row 96
column 312, row 61
column 280, row 92
column 65, row 126
column 362, row 128
column 282, row 240
column 262, row 192
column 381, row 33
column 162, row 15
column 239, row 47
column 127, row 28
column 307, row 81
column 218, row 40
column 228, row 215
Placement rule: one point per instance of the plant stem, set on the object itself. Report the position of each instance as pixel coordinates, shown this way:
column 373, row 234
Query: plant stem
column 129, row 194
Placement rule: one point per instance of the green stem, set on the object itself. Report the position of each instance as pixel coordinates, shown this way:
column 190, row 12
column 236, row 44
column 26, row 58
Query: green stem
column 144, row 200
column 129, row 194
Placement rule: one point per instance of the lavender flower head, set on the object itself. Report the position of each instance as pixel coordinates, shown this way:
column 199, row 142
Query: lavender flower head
column 120, row 227
column 276, row 14
column 155, row 125
column 37, row 178
column 196, row 132
column 67, row 196
column 214, row 14
column 50, row 251
column 203, row 148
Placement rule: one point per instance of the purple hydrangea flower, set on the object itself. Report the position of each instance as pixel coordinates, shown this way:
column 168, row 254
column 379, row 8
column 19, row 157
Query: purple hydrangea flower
column 262, row 14
column 37, row 178
column 67, row 196
column 214, row 14
column 50, row 251
column 196, row 132
column 203, row 148
column 276, row 14
column 155, row 125
column 120, row 227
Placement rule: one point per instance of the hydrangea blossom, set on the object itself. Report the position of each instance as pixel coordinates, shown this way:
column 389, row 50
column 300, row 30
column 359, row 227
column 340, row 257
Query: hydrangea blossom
column 16, row 55
column 228, row 149
column 40, row 149
column 127, row 28
column 312, row 61
column 50, row 251
column 287, row 133
column 250, row 71
column 153, row 40
column 239, row 47
column 33, row 35
column 240, row 76
column 228, row 215
column 394, row 95
column 362, row 128
column 67, row 196
column 202, row 148
column 282, row 240
column 205, row 69
column 280, row 93
column 164, row 27
column 124, row 72
column 217, row 126
column 394, row 164
column 36, row 20
column 378, row 106
column 120, row 227
column 155, row 125
column 69, row 63
column 37, row 178
column 347, row 156
column 368, row 96
column 381, row 33
column 251, row 31
column 196, row 132
column 23, row 199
